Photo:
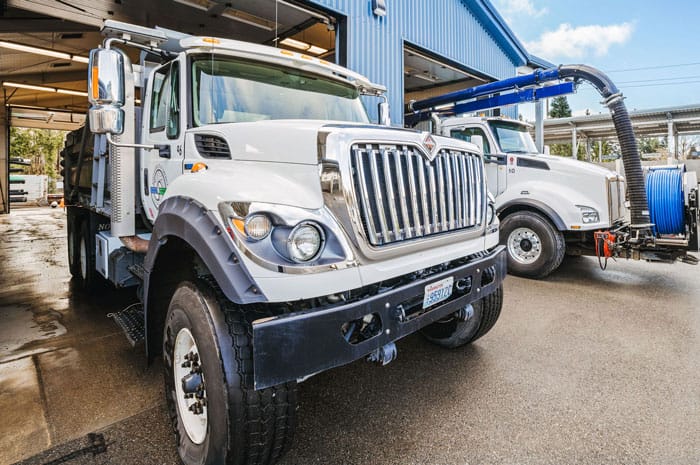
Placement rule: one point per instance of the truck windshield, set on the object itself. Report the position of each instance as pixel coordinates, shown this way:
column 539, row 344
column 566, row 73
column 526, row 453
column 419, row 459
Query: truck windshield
column 230, row 90
column 512, row 137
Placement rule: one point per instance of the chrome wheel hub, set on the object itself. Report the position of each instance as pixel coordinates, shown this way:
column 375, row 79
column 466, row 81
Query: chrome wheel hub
column 524, row 245
column 189, row 386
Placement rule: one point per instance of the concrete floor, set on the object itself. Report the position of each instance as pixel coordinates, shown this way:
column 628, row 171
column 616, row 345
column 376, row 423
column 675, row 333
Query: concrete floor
column 587, row 367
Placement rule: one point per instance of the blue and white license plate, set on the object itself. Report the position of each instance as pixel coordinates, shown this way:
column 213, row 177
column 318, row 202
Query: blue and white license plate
column 438, row 291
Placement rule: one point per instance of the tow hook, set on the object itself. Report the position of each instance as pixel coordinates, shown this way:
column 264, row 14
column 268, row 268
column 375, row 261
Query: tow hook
column 383, row 355
column 465, row 313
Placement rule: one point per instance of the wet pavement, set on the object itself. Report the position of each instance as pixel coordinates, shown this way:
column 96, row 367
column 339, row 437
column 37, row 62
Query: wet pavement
column 587, row 367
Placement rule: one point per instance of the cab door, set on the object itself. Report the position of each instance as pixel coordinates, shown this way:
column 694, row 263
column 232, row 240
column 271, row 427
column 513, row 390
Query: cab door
column 494, row 163
column 163, row 126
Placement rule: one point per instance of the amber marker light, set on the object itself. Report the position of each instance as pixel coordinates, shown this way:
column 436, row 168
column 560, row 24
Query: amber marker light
column 95, row 87
column 239, row 224
column 199, row 166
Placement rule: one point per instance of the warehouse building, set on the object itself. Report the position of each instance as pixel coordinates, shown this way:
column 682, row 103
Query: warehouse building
column 416, row 48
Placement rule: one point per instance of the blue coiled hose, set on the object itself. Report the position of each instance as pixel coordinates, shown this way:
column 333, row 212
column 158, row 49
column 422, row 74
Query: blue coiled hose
column 664, row 188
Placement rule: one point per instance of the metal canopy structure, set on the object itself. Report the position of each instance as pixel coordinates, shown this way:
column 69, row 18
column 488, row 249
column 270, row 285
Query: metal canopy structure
column 44, row 46
column 670, row 122
column 75, row 24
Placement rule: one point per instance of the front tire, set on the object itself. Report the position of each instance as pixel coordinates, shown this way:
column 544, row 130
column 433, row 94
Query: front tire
column 477, row 320
column 224, row 421
column 535, row 247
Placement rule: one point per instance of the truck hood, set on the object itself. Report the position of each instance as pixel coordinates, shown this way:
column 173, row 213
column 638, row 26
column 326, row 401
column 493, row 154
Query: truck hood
column 280, row 141
column 296, row 141
column 576, row 166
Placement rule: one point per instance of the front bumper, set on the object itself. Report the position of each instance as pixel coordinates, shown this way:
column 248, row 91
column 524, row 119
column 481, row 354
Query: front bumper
column 296, row 345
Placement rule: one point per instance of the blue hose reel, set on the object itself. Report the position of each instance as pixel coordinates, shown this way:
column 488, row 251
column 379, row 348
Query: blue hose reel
column 664, row 186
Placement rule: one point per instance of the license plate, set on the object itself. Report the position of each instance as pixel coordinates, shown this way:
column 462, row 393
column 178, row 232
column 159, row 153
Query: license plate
column 437, row 292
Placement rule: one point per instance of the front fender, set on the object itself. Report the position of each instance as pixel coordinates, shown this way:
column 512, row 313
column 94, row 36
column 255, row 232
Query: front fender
column 556, row 200
column 198, row 227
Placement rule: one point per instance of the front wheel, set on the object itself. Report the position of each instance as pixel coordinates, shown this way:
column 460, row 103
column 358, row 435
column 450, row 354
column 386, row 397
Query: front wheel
column 217, row 416
column 467, row 325
column 535, row 247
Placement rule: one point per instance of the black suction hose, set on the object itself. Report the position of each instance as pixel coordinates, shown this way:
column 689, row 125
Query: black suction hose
column 634, row 177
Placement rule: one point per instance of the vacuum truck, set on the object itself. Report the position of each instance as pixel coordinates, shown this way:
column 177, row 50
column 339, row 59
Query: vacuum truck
column 271, row 232
column 551, row 206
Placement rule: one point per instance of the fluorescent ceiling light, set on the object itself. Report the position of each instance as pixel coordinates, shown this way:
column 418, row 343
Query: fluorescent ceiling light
column 425, row 77
column 316, row 50
column 19, row 85
column 247, row 18
column 289, row 42
column 304, row 10
column 43, row 51
column 199, row 6
column 72, row 92
column 298, row 44
column 28, row 86
column 230, row 13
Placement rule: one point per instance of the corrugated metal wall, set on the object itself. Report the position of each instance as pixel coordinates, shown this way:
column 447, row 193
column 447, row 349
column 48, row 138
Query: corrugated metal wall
column 447, row 28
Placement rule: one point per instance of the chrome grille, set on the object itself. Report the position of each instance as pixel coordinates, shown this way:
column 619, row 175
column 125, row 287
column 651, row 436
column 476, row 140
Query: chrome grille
column 403, row 196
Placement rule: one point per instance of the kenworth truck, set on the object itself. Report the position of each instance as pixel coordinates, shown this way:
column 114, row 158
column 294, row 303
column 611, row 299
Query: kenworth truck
column 550, row 206
column 271, row 231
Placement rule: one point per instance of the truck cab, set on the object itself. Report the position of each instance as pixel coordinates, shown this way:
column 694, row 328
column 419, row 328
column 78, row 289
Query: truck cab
column 549, row 206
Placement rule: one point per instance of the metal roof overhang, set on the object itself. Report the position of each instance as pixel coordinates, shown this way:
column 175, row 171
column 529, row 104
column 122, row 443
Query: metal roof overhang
column 646, row 123
column 72, row 26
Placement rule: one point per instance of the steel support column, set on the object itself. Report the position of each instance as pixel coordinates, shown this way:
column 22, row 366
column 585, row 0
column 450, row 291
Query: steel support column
column 539, row 126
column 589, row 144
column 574, row 142
column 670, row 138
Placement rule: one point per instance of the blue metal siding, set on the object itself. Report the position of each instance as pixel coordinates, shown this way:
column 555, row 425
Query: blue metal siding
column 447, row 28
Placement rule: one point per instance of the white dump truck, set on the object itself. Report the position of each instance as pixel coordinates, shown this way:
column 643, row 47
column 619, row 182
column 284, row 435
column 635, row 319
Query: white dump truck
column 271, row 231
column 550, row 206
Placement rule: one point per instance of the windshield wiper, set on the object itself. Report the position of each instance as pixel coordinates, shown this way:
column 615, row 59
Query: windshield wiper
column 516, row 151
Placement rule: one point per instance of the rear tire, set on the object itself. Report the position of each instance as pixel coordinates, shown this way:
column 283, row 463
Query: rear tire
column 72, row 234
column 535, row 247
column 87, row 278
column 242, row 425
column 452, row 332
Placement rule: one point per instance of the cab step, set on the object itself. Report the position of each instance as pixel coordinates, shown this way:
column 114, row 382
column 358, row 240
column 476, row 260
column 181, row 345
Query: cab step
column 131, row 321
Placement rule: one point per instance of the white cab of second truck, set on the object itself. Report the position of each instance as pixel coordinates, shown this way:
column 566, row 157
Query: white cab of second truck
column 549, row 206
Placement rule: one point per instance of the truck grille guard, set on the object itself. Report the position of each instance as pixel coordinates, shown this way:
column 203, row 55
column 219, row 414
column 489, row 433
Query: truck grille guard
column 401, row 195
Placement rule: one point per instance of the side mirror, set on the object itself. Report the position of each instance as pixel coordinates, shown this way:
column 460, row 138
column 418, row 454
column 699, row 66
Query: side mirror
column 384, row 114
column 478, row 141
column 546, row 150
column 106, row 91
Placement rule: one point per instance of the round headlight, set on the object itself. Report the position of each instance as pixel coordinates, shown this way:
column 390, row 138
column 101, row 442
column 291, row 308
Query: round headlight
column 305, row 242
column 257, row 226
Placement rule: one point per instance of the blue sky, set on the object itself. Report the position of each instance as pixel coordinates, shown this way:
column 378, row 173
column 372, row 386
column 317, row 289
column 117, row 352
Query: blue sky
column 616, row 36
